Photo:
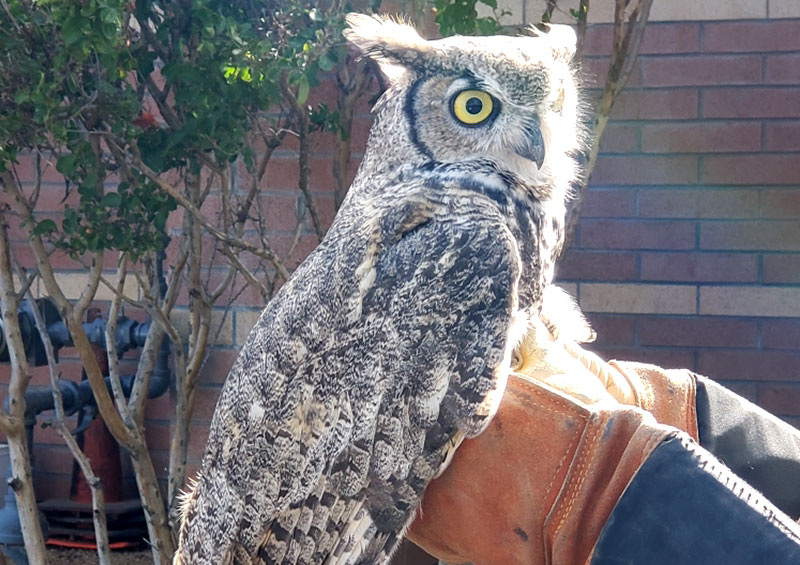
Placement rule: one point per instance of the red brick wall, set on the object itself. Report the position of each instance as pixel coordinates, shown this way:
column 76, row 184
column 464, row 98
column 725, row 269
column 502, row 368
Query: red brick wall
column 688, row 251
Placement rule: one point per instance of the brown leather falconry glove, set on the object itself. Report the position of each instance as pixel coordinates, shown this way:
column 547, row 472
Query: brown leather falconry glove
column 668, row 394
column 539, row 484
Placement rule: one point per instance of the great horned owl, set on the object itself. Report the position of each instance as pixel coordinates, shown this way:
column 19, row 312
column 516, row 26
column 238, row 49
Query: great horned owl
column 393, row 340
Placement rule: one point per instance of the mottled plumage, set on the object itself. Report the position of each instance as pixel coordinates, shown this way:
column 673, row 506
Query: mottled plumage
column 393, row 340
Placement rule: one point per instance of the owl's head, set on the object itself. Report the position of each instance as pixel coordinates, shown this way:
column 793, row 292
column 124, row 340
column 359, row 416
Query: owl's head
column 511, row 100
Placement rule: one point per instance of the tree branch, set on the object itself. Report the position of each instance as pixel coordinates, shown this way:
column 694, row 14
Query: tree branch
column 350, row 89
column 265, row 253
column 304, row 158
column 626, row 43
column 98, row 498
column 75, row 324
column 111, row 341
column 13, row 422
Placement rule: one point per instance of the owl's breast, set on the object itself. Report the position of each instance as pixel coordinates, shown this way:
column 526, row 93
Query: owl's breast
column 538, row 227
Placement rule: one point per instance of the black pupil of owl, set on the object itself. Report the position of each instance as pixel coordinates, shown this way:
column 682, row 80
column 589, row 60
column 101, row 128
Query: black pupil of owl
column 474, row 106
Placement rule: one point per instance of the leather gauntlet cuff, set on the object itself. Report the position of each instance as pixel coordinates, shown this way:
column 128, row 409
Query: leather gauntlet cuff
column 539, row 484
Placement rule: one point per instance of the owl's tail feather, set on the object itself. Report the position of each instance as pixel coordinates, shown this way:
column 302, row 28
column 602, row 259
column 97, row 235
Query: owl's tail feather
column 323, row 528
column 294, row 536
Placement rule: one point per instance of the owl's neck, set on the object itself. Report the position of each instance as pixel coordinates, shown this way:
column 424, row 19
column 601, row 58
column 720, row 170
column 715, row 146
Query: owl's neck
column 389, row 147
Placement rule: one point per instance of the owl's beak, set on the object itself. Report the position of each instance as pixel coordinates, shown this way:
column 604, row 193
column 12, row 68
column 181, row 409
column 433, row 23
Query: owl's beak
column 532, row 148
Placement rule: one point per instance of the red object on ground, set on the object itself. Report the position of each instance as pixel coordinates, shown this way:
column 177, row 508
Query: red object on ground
column 89, row 544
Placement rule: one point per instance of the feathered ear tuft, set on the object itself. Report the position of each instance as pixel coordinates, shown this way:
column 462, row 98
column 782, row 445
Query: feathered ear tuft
column 562, row 39
column 394, row 45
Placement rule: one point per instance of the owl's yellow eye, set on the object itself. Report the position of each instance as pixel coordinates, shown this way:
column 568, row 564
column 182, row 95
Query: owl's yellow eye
column 472, row 107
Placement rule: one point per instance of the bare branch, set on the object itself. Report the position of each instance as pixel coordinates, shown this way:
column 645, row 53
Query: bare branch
column 98, row 499
column 636, row 27
column 26, row 281
column 13, row 422
column 37, row 177
column 350, row 89
column 304, row 158
column 246, row 273
column 265, row 253
column 583, row 17
column 111, row 340
column 104, row 403
column 118, row 292
column 10, row 16
column 172, row 285
column 626, row 44
column 90, row 290
column 160, row 96
column 549, row 9
column 9, row 301
column 272, row 142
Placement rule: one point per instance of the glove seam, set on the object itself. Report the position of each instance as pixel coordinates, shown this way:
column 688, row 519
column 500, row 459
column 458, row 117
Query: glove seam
column 585, row 455
column 536, row 390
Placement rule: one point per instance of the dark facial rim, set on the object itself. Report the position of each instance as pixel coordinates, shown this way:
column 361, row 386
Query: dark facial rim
column 411, row 116
column 489, row 119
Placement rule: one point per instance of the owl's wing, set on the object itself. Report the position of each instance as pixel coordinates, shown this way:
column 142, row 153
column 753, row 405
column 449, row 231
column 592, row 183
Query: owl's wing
column 447, row 292
column 328, row 446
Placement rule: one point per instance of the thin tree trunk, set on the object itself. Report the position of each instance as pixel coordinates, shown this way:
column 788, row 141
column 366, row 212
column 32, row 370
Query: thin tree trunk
column 162, row 543
column 13, row 423
column 98, row 498
column 22, row 484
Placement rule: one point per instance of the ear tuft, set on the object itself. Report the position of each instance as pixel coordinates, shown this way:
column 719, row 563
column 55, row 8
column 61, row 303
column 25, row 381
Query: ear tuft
column 562, row 39
column 381, row 34
column 388, row 41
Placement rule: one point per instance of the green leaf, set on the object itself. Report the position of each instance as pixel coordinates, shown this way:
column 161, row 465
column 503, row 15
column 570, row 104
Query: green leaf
column 229, row 72
column 111, row 200
column 110, row 32
column 70, row 223
column 487, row 26
column 72, row 29
column 326, row 63
column 109, row 15
column 302, row 90
column 45, row 226
column 67, row 164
